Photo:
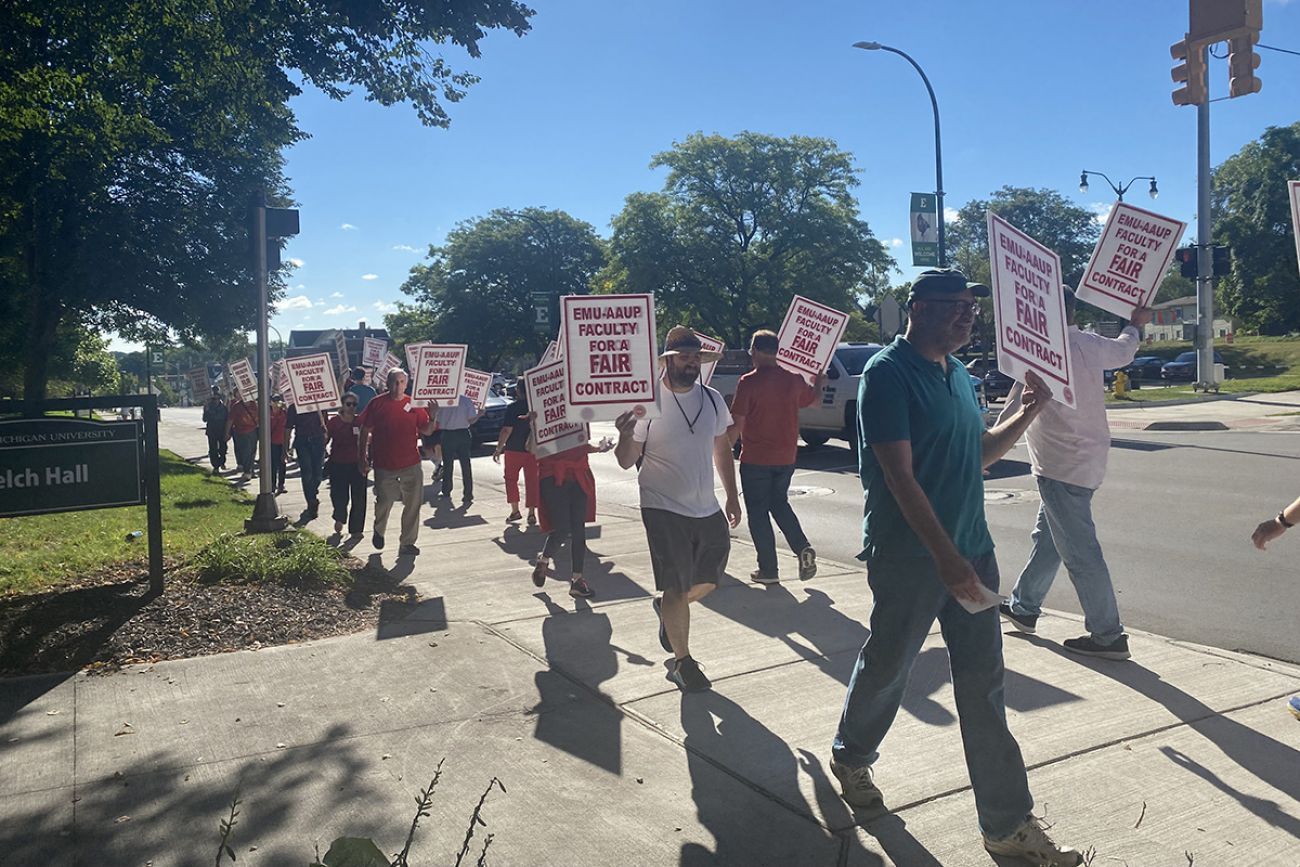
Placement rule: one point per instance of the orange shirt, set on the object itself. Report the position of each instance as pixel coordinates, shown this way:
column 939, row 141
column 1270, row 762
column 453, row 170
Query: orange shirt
column 770, row 399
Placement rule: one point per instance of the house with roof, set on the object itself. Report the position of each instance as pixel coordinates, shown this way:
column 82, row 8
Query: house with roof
column 1169, row 317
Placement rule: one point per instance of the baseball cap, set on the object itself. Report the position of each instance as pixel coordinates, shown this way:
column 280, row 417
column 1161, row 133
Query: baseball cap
column 937, row 282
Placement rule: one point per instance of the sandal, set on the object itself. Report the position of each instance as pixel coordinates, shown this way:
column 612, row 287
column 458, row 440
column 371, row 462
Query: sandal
column 514, row 516
column 539, row 574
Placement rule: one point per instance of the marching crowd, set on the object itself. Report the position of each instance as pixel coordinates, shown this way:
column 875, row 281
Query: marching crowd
column 922, row 448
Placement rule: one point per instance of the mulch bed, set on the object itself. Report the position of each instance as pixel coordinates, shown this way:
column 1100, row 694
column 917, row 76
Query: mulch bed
column 109, row 619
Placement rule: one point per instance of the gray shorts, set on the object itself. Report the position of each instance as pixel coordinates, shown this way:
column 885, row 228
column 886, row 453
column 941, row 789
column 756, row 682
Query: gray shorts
column 686, row 551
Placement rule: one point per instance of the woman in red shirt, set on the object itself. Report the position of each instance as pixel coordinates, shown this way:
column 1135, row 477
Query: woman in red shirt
column 568, row 504
column 278, row 420
column 347, row 484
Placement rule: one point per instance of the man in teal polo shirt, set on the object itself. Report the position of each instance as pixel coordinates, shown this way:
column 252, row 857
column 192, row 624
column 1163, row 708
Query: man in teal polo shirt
column 922, row 452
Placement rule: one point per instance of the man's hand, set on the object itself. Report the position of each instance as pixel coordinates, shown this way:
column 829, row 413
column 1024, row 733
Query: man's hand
column 625, row 423
column 959, row 576
column 363, row 467
column 820, row 380
column 1035, row 395
column 1266, row 532
column 496, row 455
column 732, row 511
column 1140, row 317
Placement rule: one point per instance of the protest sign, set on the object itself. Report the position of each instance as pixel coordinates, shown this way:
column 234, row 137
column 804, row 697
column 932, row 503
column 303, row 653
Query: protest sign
column 709, row 344
column 438, row 373
column 1130, row 260
column 312, row 382
column 413, row 354
column 552, row 353
column 245, row 381
column 478, row 387
column 808, row 337
column 280, row 377
column 1029, row 308
column 341, row 350
column 199, row 384
column 372, row 353
column 547, row 389
column 379, row 379
column 608, row 344
column 1293, row 187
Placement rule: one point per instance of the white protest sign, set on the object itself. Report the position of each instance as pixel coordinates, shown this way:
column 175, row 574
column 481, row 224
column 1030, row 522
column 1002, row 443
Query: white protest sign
column 1130, row 260
column 379, row 379
column 199, row 385
column 1293, row 187
column 372, row 353
column 552, row 353
column 280, row 376
column 413, row 354
column 478, row 387
column 341, row 349
column 1029, row 308
column 547, row 389
column 312, row 381
column 709, row 344
column 608, row 346
column 808, row 337
column 245, row 381
column 438, row 372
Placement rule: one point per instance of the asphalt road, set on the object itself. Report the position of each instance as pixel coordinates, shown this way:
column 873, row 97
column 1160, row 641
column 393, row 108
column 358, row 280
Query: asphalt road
column 1174, row 518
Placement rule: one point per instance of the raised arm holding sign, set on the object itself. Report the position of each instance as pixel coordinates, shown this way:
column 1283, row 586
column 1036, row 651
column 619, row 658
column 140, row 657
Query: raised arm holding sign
column 1130, row 259
column 808, row 337
column 608, row 346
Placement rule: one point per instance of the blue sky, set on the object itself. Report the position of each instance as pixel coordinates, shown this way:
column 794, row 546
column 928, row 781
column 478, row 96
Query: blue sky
column 569, row 116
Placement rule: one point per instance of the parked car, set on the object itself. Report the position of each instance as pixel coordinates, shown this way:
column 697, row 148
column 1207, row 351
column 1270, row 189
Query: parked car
column 837, row 413
column 1184, row 366
column 997, row 385
column 1145, row 367
column 489, row 424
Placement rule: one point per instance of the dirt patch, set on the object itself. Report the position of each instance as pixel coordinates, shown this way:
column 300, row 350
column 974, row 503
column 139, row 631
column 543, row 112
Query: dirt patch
column 110, row 619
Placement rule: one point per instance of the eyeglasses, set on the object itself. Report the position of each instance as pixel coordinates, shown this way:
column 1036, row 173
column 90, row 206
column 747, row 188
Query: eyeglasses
column 349, row 403
column 965, row 306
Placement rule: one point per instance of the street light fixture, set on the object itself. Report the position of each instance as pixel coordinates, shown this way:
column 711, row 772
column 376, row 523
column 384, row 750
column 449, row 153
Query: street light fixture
column 938, row 150
column 1120, row 190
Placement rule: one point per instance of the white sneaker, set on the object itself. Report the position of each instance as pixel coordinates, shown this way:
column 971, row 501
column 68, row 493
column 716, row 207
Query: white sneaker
column 856, row 786
column 1031, row 843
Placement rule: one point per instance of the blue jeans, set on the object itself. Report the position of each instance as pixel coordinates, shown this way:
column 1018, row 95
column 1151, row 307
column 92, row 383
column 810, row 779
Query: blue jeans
column 767, row 490
column 311, row 465
column 908, row 597
column 1065, row 533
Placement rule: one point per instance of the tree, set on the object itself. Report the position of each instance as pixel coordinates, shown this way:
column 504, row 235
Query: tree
column 132, row 136
column 741, row 226
column 478, row 287
column 1252, row 216
column 1045, row 215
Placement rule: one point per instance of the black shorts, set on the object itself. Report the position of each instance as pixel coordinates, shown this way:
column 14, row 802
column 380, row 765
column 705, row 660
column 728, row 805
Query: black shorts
column 433, row 439
column 686, row 551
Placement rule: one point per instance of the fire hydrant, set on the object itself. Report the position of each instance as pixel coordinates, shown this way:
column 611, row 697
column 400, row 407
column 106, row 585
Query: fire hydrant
column 1121, row 384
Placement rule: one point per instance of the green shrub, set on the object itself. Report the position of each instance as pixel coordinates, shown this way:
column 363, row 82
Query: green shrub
column 293, row 557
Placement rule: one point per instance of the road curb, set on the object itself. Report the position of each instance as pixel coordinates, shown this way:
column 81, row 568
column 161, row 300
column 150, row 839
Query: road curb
column 1186, row 425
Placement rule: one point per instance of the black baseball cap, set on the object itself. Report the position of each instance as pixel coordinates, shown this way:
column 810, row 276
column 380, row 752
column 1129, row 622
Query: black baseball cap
column 938, row 282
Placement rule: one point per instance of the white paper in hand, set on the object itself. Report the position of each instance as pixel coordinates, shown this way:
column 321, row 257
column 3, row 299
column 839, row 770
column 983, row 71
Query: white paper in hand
column 988, row 599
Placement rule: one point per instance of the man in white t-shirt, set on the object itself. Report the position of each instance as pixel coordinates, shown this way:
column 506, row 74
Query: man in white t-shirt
column 687, row 531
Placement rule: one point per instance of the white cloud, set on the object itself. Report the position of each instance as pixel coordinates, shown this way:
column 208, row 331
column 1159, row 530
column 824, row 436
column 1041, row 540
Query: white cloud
column 1102, row 211
column 301, row 286
column 895, row 242
column 950, row 214
column 369, row 276
column 297, row 263
column 293, row 302
column 300, row 326
column 405, row 248
column 336, row 294
column 348, row 227
column 341, row 308
column 384, row 307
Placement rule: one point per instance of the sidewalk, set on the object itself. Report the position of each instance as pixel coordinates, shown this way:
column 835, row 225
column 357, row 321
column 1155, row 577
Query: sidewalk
column 1280, row 411
column 1183, row 749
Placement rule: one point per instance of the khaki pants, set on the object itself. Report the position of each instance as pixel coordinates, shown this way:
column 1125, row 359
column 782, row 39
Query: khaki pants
column 407, row 485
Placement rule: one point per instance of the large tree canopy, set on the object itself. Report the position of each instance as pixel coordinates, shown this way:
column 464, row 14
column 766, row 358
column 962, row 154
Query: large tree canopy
column 132, row 135
column 1252, row 216
column 478, row 287
column 1045, row 215
column 741, row 226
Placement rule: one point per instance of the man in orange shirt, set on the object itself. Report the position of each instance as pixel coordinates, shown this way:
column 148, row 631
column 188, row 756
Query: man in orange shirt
column 765, row 413
column 242, row 422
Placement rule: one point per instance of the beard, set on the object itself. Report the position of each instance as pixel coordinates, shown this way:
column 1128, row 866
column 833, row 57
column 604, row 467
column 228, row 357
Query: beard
column 682, row 377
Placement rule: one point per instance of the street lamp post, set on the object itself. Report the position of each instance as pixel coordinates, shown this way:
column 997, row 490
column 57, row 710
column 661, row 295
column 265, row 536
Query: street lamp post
column 938, row 149
column 1121, row 189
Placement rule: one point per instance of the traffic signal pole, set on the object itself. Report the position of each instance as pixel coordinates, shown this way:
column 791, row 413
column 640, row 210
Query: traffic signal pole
column 1205, row 373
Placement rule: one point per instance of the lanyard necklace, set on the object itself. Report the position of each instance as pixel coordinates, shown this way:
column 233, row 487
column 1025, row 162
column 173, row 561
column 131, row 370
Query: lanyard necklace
column 690, row 422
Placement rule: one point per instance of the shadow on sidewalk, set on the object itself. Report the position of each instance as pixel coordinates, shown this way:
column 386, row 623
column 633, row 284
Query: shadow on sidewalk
column 447, row 516
column 1270, row 761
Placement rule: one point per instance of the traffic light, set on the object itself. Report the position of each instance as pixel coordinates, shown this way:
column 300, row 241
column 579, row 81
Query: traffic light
column 1242, row 63
column 1190, row 72
column 1186, row 257
column 1222, row 260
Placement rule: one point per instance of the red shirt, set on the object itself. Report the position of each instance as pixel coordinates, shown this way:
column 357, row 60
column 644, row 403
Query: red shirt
column 243, row 417
column 343, row 439
column 278, row 420
column 394, row 432
column 770, row 398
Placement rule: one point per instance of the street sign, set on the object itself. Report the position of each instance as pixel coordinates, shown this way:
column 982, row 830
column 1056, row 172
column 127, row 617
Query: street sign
column 542, row 312
column 64, row 465
column 924, row 221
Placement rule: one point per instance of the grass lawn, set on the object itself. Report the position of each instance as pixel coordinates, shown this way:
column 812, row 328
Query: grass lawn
column 42, row 551
column 1255, row 364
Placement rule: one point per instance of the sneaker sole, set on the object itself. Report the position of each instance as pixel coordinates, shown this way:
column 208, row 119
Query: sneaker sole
column 663, row 632
column 684, row 688
column 1117, row 655
column 1038, row 858
column 763, row 580
column 539, row 576
column 1018, row 626
column 807, row 571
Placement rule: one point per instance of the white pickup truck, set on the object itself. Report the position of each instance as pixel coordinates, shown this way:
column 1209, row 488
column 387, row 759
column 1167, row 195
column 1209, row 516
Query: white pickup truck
column 836, row 414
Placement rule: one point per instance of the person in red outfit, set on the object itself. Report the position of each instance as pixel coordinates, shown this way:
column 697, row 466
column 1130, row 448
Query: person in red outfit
column 347, row 484
column 242, row 423
column 568, row 503
column 279, row 421
column 390, row 430
column 765, row 417
column 513, row 443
